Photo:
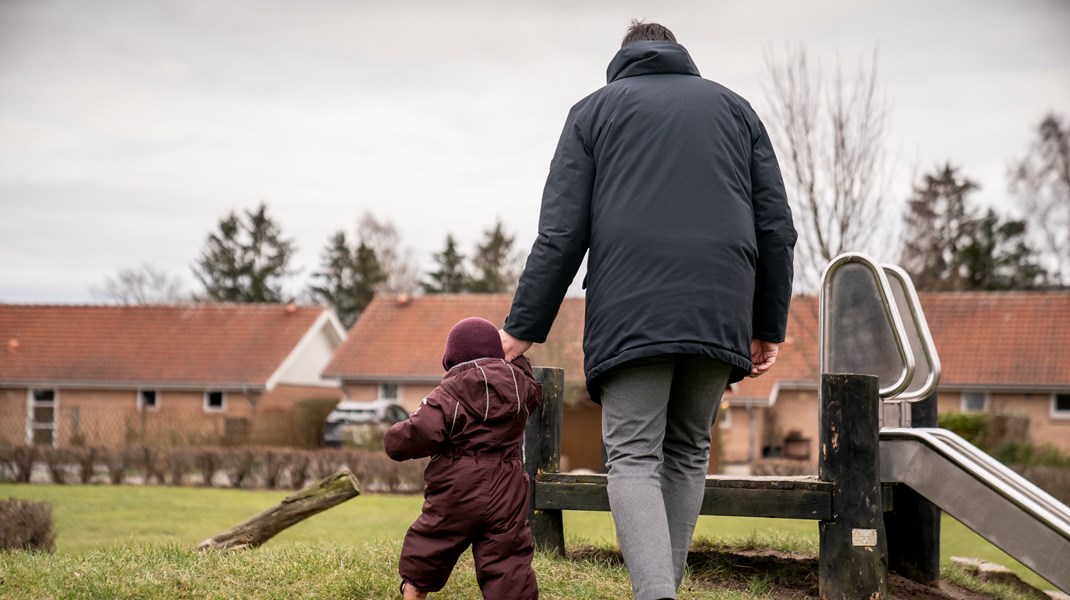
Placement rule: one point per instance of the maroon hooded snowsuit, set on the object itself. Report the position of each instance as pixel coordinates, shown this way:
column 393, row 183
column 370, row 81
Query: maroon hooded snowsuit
column 475, row 488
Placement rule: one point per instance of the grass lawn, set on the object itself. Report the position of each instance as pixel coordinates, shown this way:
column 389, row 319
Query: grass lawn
column 94, row 519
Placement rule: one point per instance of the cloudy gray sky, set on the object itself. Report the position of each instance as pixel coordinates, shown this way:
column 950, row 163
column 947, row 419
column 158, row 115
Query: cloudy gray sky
column 129, row 128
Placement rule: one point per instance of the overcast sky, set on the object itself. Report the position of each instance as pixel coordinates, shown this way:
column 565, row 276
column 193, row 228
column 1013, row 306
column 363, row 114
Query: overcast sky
column 129, row 128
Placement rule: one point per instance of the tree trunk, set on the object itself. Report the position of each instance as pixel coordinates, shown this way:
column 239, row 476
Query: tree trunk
column 312, row 500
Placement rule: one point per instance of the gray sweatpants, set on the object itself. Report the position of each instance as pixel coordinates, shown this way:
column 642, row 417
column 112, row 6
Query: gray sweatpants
column 656, row 419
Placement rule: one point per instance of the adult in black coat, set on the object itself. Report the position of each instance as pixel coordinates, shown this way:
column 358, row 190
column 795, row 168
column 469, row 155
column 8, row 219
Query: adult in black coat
column 669, row 183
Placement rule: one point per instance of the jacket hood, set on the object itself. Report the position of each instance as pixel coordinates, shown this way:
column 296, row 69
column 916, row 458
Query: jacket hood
column 650, row 58
column 489, row 387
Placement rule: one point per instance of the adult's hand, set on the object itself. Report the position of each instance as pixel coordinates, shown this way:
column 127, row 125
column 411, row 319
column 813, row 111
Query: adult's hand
column 512, row 346
column 762, row 356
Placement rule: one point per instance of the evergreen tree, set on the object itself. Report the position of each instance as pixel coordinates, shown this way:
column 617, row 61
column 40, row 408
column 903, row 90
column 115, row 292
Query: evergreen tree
column 997, row 256
column 347, row 278
column 247, row 260
column 936, row 229
column 495, row 264
column 947, row 247
column 368, row 273
column 451, row 276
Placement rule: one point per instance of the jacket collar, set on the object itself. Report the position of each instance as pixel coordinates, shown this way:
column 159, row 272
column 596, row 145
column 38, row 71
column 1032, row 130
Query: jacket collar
column 650, row 58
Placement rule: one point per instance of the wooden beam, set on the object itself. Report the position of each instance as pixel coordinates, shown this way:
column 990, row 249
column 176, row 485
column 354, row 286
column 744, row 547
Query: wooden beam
column 776, row 497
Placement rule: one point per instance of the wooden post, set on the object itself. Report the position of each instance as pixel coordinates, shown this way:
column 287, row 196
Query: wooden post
column 853, row 561
column 312, row 500
column 542, row 454
column 913, row 526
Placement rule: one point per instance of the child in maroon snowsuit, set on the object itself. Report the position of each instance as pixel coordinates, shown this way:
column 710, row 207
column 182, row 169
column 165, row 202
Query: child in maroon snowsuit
column 475, row 487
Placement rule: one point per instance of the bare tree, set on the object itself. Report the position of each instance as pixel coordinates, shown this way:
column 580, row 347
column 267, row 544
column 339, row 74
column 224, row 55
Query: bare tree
column 831, row 144
column 145, row 284
column 398, row 263
column 1041, row 181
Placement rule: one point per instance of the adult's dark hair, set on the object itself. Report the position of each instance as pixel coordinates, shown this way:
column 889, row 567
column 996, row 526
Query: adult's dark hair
column 653, row 32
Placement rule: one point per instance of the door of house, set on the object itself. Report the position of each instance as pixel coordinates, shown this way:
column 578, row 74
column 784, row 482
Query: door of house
column 41, row 418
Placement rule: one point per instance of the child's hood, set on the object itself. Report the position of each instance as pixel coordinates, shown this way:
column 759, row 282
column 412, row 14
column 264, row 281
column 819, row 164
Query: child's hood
column 492, row 388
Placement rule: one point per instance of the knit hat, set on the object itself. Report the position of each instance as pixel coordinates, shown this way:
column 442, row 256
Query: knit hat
column 470, row 339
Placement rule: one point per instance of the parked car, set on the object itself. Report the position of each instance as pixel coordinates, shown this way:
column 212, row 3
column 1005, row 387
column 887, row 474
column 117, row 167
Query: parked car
column 361, row 423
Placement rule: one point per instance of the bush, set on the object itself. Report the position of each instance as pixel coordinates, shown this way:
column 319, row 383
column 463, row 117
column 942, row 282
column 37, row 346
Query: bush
column 975, row 428
column 308, row 419
column 1054, row 480
column 26, row 525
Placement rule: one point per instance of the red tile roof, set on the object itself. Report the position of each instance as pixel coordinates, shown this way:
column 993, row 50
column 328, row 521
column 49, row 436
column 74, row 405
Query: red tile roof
column 1001, row 339
column 192, row 345
column 404, row 339
column 994, row 339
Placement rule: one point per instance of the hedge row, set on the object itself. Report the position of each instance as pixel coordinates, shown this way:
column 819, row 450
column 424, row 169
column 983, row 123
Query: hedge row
column 249, row 467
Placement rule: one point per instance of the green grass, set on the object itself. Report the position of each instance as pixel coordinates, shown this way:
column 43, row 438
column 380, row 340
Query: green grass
column 145, row 532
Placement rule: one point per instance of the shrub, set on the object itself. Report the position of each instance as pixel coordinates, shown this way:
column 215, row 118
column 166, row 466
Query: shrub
column 239, row 464
column 16, row 463
column 85, row 460
column 209, row 461
column 308, row 419
column 975, row 428
column 1054, row 480
column 26, row 525
column 273, row 464
column 300, row 465
column 179, row 461
column 59, row 461
column 118, row 461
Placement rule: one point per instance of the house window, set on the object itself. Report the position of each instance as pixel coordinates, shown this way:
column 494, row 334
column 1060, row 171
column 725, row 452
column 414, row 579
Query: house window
column 214, row 401
column 974, row 402
column 146, row 399
column 41, row 424
column 1060, row 406
column 388, row 391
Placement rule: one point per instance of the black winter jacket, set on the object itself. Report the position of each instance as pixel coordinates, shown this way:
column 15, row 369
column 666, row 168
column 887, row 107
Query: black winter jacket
column 669, row 181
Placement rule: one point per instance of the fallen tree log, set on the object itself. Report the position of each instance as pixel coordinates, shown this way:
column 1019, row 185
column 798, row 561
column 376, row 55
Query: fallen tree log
column 314, row 499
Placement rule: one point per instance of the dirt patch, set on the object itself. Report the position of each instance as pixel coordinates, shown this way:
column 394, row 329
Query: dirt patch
column 774, row 574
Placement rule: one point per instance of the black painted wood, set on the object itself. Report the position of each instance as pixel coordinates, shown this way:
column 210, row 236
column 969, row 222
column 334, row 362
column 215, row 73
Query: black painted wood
column 914, row 524
column 542, row 454
column 787, row 497
column 853, row 561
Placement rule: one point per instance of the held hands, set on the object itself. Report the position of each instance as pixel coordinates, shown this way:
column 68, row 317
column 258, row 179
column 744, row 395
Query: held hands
column 762, row 356
column 512, row 346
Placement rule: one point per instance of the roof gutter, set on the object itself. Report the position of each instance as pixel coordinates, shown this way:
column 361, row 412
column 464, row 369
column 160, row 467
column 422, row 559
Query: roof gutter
column 136, row 385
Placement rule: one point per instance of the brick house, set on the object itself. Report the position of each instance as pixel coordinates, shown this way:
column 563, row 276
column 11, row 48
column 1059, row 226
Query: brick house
column 1001, row 352
column 161, row 375
column 1004, row 353
column 395, row 351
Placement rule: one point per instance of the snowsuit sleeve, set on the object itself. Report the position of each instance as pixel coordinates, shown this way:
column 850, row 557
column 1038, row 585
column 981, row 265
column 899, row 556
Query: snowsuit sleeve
column 776, row 237
column 426, row 430
column 534, row 390
column 564, row 232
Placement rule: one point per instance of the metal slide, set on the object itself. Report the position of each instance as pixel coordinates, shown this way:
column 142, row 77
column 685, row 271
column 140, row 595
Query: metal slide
column 989, row 498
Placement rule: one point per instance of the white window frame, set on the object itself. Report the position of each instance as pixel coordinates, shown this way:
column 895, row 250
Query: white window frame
column 397, row 391
column 31, row 423
column 141, row 400
column 1055, row 412
column 987, row 402
column 222, row 403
